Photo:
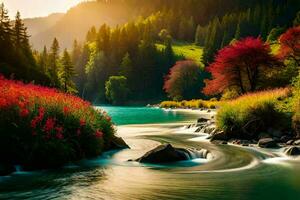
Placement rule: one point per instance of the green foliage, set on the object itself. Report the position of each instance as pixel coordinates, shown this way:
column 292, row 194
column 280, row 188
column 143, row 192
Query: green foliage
column 66, row 73
column 43, row 128
column 274, row 34
column 54, row 63
column 295, row 105
column 116, row 90
column 16, row 56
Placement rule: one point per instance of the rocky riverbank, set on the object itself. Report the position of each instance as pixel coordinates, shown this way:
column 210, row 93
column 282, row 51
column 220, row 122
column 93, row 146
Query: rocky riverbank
column 206, row 125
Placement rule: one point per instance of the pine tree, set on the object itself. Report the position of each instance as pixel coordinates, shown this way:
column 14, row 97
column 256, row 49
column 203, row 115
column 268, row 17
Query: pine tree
column 20, row 36
column 54, row 63
column 126, row 66
column 76, row 52
column 6, row 35
column 43, row 61
column 169, row 56
column 67, row 72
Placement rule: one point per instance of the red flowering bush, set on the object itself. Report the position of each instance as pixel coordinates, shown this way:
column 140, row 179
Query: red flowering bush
column 42, row 127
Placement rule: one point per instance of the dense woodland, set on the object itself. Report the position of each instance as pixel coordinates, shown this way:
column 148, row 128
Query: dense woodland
column 126, row 56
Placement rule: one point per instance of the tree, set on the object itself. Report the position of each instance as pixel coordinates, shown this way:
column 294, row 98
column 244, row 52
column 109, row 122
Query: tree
column 297, row 20
column 20, row 35
column 43, row 61
column 116, row 90
column 184, row 80
column 290, row 45
column 126, row 66
column 67, row 72
column 6, row 37
column 54, row 63
column 239, row 66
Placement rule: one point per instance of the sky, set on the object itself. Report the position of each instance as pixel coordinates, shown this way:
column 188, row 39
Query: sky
column 37, row 8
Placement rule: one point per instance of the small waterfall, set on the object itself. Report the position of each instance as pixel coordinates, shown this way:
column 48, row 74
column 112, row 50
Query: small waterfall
column 194, row 153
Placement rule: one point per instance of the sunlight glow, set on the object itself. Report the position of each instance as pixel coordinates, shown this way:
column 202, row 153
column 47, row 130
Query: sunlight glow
column 37, row 8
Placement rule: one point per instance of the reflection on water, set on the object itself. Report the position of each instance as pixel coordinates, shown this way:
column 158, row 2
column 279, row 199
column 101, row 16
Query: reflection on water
column 234, row 173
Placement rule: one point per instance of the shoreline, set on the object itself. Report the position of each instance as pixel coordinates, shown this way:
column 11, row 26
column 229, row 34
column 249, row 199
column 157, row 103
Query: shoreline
column 207, row 117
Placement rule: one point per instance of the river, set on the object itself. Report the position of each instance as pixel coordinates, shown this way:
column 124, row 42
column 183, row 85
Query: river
column 233, row 173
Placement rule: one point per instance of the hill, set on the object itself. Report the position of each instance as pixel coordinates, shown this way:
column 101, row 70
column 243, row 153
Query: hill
column 40, row 24
column 186, row 50
column 77, row 21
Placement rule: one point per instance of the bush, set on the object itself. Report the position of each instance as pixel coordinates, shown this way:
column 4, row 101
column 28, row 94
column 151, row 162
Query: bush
column 296, row 105
column 42, row 128
column 213, row 103
column 251, row 114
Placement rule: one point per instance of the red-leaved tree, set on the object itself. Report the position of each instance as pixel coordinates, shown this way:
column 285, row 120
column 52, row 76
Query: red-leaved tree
column 184, row 80
column 239, row 66
column 290, row 44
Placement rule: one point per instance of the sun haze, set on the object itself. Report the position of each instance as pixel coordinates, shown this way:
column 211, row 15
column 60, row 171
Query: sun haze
column 37, row 8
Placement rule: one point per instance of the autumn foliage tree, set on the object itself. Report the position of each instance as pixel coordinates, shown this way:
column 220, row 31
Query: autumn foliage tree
column 184, row 80
column 239, row 66
column 290, row 45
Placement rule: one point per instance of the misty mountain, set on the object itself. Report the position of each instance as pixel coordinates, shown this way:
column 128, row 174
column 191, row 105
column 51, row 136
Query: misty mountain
column 76, row 22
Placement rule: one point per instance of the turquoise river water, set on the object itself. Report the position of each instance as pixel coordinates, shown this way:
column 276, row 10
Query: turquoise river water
column 233, row 172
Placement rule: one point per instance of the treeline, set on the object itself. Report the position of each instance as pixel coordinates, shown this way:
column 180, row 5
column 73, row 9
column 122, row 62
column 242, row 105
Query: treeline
column 16, row 56
column 19, row 61
column 264, row 18
column 127, row 51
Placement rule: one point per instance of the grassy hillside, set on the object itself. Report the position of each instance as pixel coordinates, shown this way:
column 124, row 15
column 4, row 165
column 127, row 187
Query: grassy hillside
column 187, row 50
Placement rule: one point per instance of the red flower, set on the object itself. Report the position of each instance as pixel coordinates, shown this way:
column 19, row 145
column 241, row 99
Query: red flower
column 66, row 110
column 49, row 125
column 41, row 112
column 59, row 136
column 82, row 122
column 78, row 132
column 99, row 134
column 24, row 112
column 34, row 122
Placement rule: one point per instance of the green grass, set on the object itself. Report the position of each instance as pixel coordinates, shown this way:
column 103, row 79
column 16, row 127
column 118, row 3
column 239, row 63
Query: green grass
column 254, row 113
column 187, row 50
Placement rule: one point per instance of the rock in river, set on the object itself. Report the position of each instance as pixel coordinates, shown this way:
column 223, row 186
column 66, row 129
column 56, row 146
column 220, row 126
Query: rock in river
column 118, row 143
column 292, row 151
column 166, row 153
column 267, row 143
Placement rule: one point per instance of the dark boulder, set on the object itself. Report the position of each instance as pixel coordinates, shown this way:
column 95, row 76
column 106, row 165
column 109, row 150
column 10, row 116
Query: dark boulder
column 6, row 169
column 221, row 135
column 201, row 120
column 267, row 143
column 166, row 153
column 118, row 143
column 285, row 138
column 292, row 151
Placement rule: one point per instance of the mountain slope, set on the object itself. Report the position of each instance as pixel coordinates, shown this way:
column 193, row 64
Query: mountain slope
column 79, row 19
column 39, row 24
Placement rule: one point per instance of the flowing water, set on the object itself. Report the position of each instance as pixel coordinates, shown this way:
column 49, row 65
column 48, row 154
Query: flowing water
column 232, row 173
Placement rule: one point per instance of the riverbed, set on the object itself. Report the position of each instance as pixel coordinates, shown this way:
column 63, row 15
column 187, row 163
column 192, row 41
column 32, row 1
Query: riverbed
column 234, row 172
